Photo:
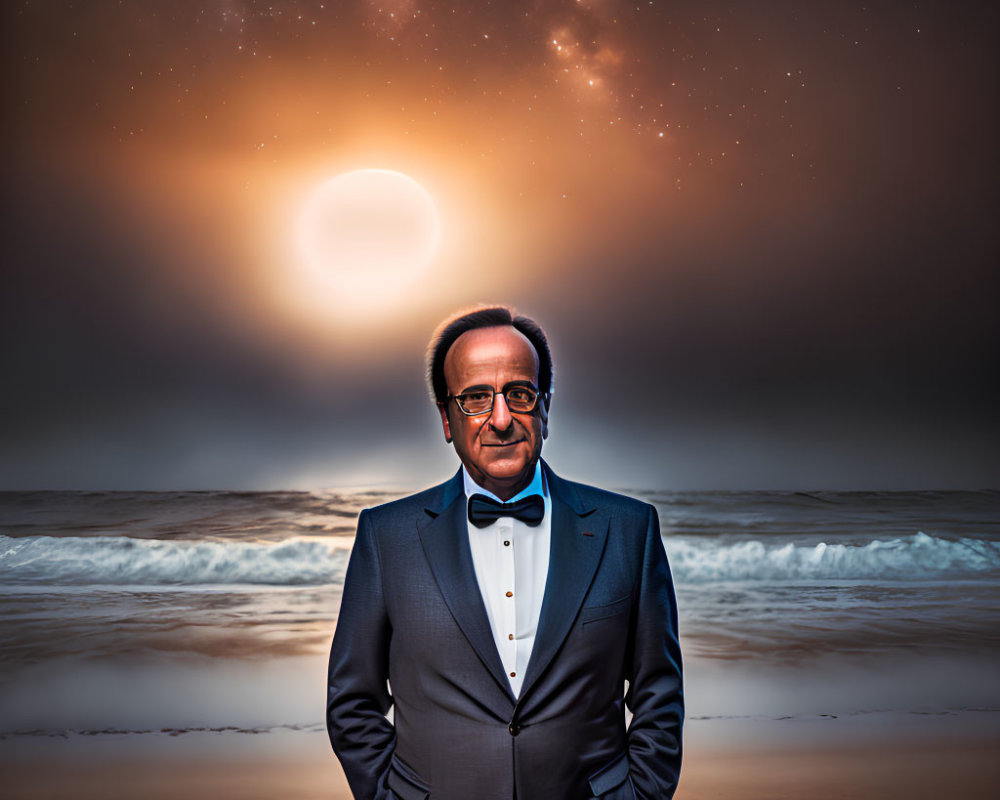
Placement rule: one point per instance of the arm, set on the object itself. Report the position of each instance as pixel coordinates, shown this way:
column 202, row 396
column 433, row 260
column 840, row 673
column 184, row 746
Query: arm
column 655, row 695
column 357, row 697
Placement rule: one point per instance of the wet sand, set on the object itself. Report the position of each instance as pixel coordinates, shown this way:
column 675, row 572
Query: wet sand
column 821, row 730
column 300, row 766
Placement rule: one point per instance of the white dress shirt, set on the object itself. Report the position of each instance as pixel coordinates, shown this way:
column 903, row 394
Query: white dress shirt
column 512, row 560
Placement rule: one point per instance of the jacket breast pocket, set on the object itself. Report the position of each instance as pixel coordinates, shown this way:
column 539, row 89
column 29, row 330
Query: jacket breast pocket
column 405, row 783
column 590, row 614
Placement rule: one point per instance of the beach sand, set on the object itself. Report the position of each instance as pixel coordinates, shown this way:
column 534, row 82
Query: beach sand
column 854, row 762
column 824, row 729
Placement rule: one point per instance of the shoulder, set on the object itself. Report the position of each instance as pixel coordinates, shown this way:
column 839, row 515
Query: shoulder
column 633, row 525
column 402, row 506
column 412, row 506
column 604, row 498
column 586, row 497
column 391, row 528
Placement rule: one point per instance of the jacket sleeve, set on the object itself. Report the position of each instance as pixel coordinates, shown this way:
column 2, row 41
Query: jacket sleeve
column 655, row 695
column 358, row 698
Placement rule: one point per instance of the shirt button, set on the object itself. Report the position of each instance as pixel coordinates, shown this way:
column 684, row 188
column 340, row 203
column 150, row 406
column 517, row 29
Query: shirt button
column 514, row 729
column 510, row 594
column 506, row 543
column 510, row 636
column 513, row 674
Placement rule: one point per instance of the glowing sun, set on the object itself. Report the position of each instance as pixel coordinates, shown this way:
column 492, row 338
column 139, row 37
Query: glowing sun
column 369, row 233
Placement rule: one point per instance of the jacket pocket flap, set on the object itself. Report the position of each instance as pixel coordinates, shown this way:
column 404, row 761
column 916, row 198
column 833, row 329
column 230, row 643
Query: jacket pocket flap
column 592, row 613
column 615, row 774
column 404, row 782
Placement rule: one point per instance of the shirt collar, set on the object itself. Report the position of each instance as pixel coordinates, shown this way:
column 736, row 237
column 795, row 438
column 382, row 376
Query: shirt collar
column 537, row 486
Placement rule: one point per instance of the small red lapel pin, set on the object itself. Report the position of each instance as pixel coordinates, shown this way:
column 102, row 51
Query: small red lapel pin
column 587, row 533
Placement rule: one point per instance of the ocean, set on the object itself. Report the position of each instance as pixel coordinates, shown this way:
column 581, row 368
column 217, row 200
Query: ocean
column 134, row 614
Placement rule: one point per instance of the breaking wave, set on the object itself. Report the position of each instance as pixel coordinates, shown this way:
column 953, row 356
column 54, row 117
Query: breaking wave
column 916, row 557
column 120, row 560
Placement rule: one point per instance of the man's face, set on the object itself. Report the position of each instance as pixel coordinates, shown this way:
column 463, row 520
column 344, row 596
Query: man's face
column 498, row 448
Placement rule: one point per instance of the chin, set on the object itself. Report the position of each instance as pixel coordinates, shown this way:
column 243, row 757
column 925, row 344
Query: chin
column 507, row 470
column 504, row 473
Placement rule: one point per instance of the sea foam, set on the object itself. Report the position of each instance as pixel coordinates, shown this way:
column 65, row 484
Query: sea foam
column 120, row 560
column 916, row 557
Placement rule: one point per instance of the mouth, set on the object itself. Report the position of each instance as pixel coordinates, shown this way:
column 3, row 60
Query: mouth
column 503, row 444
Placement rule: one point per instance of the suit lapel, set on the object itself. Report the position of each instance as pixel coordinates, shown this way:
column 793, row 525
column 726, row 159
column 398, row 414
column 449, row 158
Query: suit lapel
column 444, row 536
column 578, row 541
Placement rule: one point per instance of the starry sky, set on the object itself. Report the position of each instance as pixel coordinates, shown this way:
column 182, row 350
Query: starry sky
column 762, row 237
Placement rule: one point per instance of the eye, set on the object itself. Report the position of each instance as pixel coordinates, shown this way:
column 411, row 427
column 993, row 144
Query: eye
column 476, row 401
column 518, row 394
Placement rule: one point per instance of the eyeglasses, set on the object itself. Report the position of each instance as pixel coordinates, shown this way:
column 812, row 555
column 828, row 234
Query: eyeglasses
column 521, row 397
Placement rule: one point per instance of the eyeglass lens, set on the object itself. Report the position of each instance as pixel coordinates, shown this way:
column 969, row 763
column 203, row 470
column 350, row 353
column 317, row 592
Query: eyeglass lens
column 520, row 399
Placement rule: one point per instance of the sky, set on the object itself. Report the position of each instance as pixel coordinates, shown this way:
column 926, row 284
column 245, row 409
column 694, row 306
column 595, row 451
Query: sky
column 762, row 238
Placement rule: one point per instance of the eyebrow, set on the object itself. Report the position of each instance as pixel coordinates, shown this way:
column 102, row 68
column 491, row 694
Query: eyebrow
column 490, row 387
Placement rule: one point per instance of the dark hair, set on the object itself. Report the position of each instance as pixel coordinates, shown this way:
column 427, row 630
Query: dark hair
column 485, row 317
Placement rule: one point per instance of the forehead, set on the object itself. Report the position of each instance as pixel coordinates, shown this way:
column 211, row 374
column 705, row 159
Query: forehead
column 485, row 355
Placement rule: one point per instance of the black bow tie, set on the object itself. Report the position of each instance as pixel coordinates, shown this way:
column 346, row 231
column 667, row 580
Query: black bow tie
column 485, row 511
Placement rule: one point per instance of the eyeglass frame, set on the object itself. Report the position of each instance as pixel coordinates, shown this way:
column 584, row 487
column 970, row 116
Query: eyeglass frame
column 539, row 396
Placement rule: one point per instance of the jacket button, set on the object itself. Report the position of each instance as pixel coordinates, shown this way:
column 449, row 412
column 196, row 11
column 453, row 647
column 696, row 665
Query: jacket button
column 514, row 729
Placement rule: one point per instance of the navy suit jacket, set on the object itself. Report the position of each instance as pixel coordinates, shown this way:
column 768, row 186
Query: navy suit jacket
column 412, row 618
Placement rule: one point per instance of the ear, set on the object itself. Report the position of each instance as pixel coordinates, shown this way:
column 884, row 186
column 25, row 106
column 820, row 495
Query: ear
column 443, row 410
column 543, row 416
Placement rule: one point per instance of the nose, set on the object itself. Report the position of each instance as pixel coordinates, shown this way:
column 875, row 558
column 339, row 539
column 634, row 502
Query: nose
column 500, row 419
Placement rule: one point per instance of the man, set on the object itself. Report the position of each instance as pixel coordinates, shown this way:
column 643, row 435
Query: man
column 501, row 613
